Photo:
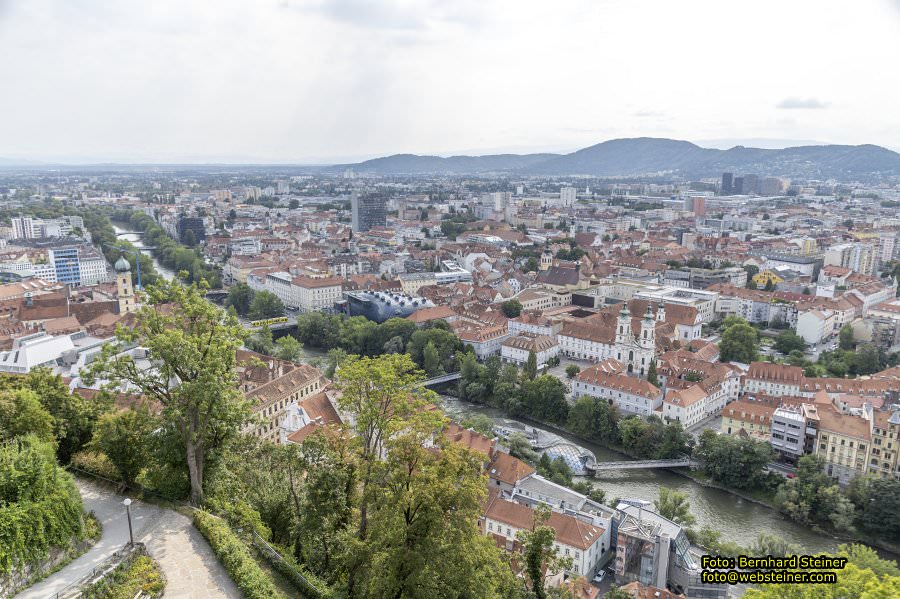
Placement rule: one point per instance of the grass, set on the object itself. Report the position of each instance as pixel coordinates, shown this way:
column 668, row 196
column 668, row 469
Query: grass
column 138, row 574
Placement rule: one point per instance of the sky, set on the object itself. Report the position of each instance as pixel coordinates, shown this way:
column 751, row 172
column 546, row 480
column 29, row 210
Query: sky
column 316, row 81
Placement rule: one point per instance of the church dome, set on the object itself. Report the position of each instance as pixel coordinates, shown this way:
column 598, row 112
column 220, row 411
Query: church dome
column 122, row 265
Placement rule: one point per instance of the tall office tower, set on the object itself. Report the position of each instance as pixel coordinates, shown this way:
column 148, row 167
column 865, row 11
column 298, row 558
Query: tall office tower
column 751, row 184
column 368, row 211
column 737, row 187
column 567, row 196
column 727, row 184
column 699, row 206
column 23, row 228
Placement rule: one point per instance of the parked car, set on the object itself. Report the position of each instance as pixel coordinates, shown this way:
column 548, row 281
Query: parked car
column 600, row 576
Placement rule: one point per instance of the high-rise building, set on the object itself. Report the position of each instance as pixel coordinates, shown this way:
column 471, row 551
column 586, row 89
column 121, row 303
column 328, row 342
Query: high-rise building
column 194, row 224
column 751, row 184
column 699, row 206
column 727, row 184
column 65, row 262
column 368, row 211
column 737, row 186
column 567, row 196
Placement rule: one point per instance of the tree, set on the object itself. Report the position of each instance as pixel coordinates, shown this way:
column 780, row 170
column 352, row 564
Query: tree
column 544, row 398
column 265, row 304
column 593, row 418
column 293, row 204
column 480, row 423
column 739, row 343
column 572, row 370
column 732, row 461
column 240, row 296
column 529, row 371
column 774, row 545
column 261, row 341
column 674, row 506
column 651, row 374
column 520, row 447
column 511, row 308
column 288, row 348
column 867, row 359
column 878, row 503
column 193, row 344
column 852, row 581
column 385, row 395
column 21, row 414
column 788, row 341
column 540, row 555
column 123, row 437
column 431, row 361
column 424, row 517
column 189, row 238
column 846, row 337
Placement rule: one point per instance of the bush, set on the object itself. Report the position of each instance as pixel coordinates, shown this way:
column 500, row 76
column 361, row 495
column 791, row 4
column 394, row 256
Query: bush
column 138, row 574
column 236, row 557
column 96, row 462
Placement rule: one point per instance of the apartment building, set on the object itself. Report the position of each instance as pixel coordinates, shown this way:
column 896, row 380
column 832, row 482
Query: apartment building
column 608, row 381
column 844, row 442
column 516, row 349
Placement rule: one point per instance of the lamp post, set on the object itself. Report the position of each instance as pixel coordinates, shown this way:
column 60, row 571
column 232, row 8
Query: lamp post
column 127, row 504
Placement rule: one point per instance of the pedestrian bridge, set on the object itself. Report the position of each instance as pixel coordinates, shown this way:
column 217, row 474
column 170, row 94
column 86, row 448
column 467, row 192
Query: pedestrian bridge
column 642, row 464
column 444, row 378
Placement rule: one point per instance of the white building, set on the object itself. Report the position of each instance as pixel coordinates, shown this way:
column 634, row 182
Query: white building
column 516, row 349
column 816, row 326
column 607, row 381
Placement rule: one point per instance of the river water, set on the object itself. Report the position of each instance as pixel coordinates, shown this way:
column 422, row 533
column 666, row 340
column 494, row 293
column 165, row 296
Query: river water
column 137, row 241
column 738, row 520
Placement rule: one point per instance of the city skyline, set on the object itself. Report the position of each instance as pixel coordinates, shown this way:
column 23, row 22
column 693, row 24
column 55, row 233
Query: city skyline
column 322, row 82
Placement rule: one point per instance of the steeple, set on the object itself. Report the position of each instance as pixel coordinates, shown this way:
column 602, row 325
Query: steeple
column 661, row 313
column 648, row 330
column 623, row 325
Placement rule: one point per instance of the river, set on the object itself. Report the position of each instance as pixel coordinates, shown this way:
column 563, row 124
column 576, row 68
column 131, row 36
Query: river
column 137, row 241
column 738, row 520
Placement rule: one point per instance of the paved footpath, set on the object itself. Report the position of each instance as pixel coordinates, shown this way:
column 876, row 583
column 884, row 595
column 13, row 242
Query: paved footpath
column 190, row 567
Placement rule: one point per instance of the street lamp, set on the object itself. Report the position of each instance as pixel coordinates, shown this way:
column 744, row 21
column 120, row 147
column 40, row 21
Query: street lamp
column 127, row 504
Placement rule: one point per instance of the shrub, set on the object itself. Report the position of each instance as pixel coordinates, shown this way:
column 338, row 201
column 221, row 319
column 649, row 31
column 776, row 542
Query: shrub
column 138, row 574
column 96, row 462
column 236, row 557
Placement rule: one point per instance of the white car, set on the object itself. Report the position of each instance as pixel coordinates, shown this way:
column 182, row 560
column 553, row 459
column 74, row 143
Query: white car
column 600, row 576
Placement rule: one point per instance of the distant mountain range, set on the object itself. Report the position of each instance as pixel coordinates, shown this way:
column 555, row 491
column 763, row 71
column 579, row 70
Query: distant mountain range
column 646, row 156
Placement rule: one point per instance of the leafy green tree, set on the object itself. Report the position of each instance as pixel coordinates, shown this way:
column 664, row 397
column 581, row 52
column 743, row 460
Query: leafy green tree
column 540, row 555
column 334, row 359
column 480, row 423
column 867, row 359
column 593, row 418
column 394, row 345
column 529, row 370
column 265, row 304
column 544, row 398
column 789, row 341
column 288, row 348
column 733, row 461
column 865, row 557
column 21, row 413
column 261, row 341
column 674, row 505
column 431, row 360
column 852, row 581
column 445, row 342
column 845, row 338
column 651, row 374
column 193, row 342
column 240, row 296
column 123, row 437
column 738, row 343
column 424, row 517
column 814, row 497
column 520, row 447
column 511, row 308
column 572, row 370
column 767, row 544
column 878, row 503
column 189, row 238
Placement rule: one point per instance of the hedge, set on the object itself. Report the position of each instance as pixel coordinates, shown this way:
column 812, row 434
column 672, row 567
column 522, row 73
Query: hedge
column 136, row 574
column 236, row 557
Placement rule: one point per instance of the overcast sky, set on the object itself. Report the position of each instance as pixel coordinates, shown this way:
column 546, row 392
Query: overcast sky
column 333, row 80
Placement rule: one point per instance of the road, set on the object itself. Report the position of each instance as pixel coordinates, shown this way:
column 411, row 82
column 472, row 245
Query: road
column 190, row 567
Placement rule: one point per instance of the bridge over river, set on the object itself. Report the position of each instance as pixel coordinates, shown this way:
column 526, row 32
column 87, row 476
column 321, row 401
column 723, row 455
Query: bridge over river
column 598, row 467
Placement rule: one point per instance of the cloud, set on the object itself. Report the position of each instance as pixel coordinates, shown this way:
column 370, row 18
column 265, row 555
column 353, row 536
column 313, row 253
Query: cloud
column 392, row 14
column 802, row 104
column 648, row 114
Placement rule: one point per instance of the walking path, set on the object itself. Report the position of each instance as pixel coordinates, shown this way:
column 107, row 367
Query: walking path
column 190, row 567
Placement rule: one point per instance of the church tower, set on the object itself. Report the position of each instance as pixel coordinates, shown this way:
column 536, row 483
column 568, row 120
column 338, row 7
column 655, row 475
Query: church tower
column 648, row 330
column 623, row 326
column 661, row 313
column 125, row 291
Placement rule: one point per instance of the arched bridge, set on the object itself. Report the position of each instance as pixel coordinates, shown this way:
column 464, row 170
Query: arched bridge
column 639, row 464
column 444, row 378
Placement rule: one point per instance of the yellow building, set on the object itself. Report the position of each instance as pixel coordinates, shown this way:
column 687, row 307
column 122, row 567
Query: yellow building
column 808, row 246
column 754, row 418
column 884, row 457
column 762, row 279
column 844, row 442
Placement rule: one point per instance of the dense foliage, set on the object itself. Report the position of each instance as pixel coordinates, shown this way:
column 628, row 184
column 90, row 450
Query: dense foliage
column 736, row 462
column 140, row 574
column 40, row 507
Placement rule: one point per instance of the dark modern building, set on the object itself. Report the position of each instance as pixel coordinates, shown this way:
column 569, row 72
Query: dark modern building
column 727, row 184
column 369, row 210
column 194, row 224
column 380, row 306
column 737, row 187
